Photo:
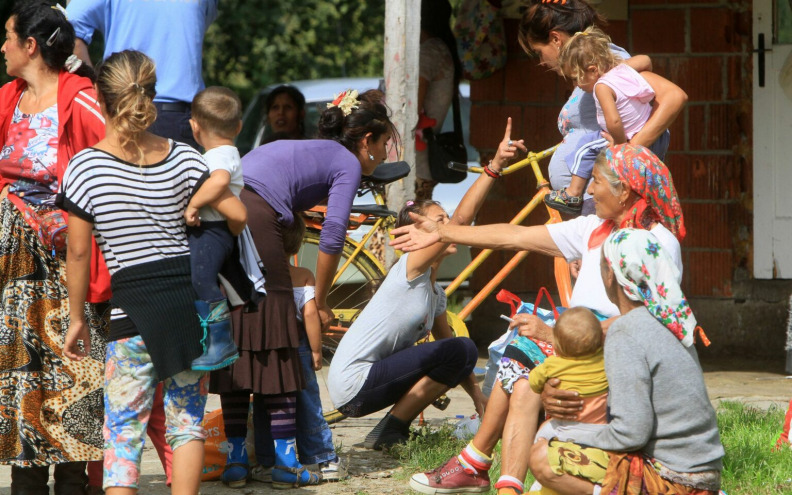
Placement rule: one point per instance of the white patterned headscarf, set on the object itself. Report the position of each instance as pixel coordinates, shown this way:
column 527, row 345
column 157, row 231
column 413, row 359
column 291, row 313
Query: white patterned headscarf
column 647, row 274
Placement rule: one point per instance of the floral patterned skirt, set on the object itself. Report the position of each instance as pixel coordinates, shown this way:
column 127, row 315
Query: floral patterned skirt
column 51, row 408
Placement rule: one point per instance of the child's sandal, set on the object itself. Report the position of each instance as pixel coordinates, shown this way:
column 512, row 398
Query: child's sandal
column 563, row 202
column 284, row 477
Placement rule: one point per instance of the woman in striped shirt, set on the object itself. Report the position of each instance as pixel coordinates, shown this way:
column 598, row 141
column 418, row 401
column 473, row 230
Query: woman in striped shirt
column 130, row 192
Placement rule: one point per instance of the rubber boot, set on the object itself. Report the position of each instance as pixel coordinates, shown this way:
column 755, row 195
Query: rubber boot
column 218, row 344
column 237, row 470
column 388, row 432
column 288, row 472
column 29, row 480
column 71, row 478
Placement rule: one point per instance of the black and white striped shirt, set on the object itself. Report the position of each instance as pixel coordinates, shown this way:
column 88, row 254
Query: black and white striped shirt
column 137, row 212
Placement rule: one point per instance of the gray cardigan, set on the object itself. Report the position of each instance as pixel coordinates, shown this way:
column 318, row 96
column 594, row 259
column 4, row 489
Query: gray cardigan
column 657, row 400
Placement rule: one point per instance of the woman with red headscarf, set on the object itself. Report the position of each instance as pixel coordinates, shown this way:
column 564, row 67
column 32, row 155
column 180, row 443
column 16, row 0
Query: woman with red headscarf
column 631, row 187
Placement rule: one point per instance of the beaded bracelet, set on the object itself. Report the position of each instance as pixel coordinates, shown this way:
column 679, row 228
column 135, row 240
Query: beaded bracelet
column 495, row 174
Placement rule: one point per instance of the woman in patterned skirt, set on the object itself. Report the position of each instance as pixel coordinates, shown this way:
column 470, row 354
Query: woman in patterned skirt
column 50, row 406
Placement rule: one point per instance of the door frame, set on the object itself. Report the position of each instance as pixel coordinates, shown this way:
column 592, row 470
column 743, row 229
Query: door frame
column 763, row 147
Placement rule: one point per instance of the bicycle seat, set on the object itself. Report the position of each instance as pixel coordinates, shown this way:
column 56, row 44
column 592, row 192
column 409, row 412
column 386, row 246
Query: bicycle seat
column 388, row 172
column 373, row 210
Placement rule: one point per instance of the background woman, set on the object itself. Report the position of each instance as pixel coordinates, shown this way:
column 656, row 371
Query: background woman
column 661, row 418
column 51, row 404
column 282, row 178
column 630, row 188
column 285, row 111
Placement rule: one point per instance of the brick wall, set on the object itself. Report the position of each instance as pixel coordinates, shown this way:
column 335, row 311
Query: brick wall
column 704, row 47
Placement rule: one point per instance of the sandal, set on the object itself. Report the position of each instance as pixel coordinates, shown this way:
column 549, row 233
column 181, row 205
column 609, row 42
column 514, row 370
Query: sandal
column 235, row 481
column 561, row 201
column 291, row 477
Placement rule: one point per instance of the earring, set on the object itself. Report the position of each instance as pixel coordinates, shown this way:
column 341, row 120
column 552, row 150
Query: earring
column 371, row 157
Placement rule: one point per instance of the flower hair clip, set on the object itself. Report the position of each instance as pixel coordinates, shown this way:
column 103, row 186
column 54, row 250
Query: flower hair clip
column 346, row 101
column 409, row 203
column 60, row 8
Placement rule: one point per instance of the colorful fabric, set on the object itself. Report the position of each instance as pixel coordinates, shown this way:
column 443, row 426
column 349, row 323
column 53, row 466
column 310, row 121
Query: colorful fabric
column 648, row 274
column 130, row 384
column 584, row 462
column 520, row 357
column 481, row 38
column 80, row 124
column 29, row 158
column 628, row 473
column 635, row 474
column 29, row 161
column 648, row 177
column 50, row 406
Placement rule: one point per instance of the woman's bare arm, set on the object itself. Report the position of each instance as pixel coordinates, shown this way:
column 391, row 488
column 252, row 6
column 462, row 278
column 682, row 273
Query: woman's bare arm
column 670, row 99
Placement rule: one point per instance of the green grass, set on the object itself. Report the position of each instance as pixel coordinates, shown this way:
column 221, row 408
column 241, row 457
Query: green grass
column 431, row 447
column 748, row 435
column 750, row 465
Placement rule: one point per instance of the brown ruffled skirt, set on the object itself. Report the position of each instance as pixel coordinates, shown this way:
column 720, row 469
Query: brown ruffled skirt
column 268, row 339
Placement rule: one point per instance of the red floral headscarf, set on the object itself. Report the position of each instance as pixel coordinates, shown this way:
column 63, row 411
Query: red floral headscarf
column 648, row 177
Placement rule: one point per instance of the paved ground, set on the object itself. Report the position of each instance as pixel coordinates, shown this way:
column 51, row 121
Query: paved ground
column 760, row 384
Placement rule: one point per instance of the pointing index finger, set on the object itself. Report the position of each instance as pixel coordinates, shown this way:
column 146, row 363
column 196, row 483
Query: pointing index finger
column 507, row 136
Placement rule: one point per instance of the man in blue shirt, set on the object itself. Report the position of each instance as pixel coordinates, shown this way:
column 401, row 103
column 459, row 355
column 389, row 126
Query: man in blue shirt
column 171, row 32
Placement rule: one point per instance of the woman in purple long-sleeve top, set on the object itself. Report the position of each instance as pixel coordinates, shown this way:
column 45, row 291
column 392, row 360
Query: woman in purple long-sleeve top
column 282, row 178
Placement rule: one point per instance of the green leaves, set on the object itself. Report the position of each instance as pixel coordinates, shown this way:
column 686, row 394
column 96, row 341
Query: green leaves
column 255, row 43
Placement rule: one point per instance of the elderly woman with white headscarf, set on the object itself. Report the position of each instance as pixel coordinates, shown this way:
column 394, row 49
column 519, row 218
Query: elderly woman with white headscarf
column 663, row 433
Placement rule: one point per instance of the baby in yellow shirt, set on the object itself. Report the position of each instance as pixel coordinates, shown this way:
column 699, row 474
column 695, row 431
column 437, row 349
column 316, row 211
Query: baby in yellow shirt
column 580, row 365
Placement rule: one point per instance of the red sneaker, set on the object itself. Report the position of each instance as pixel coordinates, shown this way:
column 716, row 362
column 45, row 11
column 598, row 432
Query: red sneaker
column 451, row 477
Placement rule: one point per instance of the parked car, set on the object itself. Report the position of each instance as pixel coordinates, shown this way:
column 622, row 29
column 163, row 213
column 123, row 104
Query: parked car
column 318, row 93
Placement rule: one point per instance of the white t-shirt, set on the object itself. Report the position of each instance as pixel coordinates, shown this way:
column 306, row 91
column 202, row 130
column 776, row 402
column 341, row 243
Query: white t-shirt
column 572, row 238
column 301, row 297
column 226, row 158
column 401, row 313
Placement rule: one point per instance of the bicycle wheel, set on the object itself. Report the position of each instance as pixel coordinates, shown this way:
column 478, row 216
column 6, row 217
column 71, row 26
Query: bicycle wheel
column 350, row 293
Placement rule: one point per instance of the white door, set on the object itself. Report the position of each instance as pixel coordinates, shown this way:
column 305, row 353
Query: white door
column 772, row 136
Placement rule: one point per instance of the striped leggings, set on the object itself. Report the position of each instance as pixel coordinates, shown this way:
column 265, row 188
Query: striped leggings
column 282, row 410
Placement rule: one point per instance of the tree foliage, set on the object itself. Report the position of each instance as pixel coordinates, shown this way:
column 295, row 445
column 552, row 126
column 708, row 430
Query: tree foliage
column 255, row 43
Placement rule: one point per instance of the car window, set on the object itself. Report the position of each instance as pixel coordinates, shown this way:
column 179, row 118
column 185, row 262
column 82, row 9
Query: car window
column 254, row 129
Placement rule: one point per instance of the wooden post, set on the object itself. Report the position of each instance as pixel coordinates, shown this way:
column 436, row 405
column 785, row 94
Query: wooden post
column 402, row 46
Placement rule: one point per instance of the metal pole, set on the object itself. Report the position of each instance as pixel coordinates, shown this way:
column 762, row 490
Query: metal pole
column 402, row 46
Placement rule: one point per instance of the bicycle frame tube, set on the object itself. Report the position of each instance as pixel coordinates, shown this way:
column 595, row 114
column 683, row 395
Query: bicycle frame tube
column 359, row 248
column 562, row 279
column 380, row 201
column 541, row 184
column 532, row 159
